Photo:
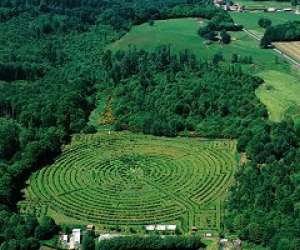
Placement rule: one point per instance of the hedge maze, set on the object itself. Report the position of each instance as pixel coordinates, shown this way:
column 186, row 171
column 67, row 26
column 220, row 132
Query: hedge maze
column 127, row 179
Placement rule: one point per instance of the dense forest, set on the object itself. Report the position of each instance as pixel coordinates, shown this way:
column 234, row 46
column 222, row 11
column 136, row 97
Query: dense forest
column 52, row 64
column 164, row 94
column 152, row 243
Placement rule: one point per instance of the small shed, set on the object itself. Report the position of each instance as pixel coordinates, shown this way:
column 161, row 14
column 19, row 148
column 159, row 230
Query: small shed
column 171, row 227
column 76, row 235
column 208, row 234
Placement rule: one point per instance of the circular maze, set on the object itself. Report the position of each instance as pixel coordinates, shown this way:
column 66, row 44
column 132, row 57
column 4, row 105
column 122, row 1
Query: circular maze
column 127, row 179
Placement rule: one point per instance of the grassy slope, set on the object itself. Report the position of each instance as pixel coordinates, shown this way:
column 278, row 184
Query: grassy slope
column 250, row 20
column 281, row 93
column 182, row 33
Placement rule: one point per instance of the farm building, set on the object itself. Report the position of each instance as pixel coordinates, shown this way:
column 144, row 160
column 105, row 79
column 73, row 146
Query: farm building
column 71, row 241
column 271, row 9
column 160, row 227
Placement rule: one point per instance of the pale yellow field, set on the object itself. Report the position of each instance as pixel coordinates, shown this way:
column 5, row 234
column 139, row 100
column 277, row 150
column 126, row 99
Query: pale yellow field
column 290, row 48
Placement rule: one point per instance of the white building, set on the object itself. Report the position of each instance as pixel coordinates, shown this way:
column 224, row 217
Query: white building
column 76, row 235
column 171, row 227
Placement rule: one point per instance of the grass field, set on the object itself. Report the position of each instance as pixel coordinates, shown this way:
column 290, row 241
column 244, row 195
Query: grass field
column 281, row 95
column 290, row 48
column 250, row 4
column 250, row 19
column 127, row 179
column 182, row 34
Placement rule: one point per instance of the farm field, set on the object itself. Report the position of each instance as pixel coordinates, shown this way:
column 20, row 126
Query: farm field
column 290, row 48
column 250, row 19
column 129, row 180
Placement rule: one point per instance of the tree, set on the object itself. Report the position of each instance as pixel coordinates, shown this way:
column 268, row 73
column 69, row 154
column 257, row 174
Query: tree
column 46, row 229
column 217, row 58
column 264, row 22
column 225, row 37
column 9, row 143
column 88, row 243
column 265, row 42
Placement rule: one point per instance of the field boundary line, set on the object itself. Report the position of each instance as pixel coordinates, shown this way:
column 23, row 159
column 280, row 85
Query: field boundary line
column 276, row 49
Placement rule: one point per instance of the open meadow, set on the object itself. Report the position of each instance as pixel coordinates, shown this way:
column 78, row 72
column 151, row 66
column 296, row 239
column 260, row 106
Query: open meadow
column 250, row 19
column 128, row 179
column 182, row 34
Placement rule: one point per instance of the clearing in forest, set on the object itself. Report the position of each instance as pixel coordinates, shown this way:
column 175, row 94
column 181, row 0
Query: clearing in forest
column 129, row 179
column 280, row 94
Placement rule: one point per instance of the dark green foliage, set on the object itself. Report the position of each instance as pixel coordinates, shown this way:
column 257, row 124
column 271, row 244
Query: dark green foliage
column 9, row 143
column 195, row 95
column 220, row 22
column 289, row 31
column 225, row 37
column 16, row 71
column 17, row 231
column 264, row 203
column 152, row 243
column 46, row 229
column 88, row 242
column 264, row 22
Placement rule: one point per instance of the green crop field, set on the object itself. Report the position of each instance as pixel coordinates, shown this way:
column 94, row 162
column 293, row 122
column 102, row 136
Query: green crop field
column 129, row 179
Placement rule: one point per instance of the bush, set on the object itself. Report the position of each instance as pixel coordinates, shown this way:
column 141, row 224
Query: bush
column 264, row 22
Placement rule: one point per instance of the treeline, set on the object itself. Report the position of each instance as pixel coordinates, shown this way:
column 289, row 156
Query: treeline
column 124, row 18
column 24, row 232
column 152, row 243
column 121, row 14
column 17, row 71
column 221, row 22
column 289, row 31
column 162, row 94
column 264, row 203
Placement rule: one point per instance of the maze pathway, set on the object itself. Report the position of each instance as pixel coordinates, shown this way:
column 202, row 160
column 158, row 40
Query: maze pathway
column 128, row 179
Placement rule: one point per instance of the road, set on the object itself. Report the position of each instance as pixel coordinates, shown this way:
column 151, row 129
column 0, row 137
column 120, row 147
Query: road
column 276, row 50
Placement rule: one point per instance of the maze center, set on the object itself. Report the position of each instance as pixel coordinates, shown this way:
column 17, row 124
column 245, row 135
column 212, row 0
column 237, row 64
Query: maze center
column 127, row 179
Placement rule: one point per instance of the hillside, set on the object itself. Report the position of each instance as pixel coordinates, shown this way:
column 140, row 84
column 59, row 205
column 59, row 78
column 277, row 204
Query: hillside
column 172, row 115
